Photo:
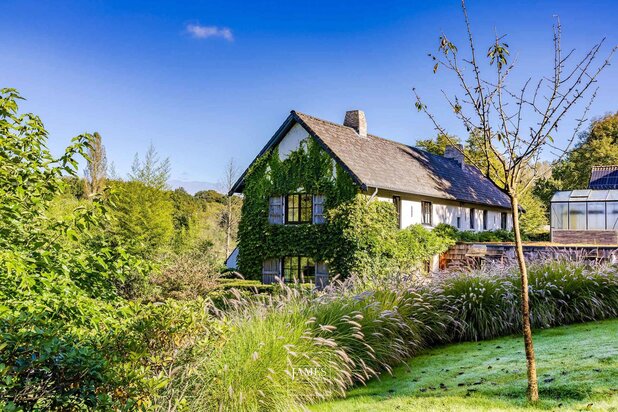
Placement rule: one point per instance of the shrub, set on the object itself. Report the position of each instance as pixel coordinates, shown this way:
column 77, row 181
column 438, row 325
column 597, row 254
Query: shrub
column 415, row 244
column 453, row 233
column 185, row 276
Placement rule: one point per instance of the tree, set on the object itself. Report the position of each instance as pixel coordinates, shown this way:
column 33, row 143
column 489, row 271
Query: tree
column 598, row 146
column 515, row 125
column 152, row 171
column 210, row 196
column 438, row 145
column 143, row 217
column 231, row 211
column 96, row 167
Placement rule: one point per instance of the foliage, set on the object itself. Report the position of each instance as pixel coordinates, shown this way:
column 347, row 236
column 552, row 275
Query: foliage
column 185, row 276
column 350, row 334
column 447, row 231
column 96, row 168
column 68, row 339
column 561, row 292
column 210, row 196
column 309, row 169
column 152, row 171
column 415, row 245
column 143, row 217
column 598, row 146
column 438, row 145
column 366, row 233
column 535, row 217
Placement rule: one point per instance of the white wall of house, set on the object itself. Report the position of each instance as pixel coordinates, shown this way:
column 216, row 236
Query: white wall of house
column 446, row 211
column 291, row 141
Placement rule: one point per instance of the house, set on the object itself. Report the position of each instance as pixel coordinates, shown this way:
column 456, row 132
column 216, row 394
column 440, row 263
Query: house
column 588, row 216
column 425, row 189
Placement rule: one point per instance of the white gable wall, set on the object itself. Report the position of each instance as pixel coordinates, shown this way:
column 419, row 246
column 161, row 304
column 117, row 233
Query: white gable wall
column 292, row 140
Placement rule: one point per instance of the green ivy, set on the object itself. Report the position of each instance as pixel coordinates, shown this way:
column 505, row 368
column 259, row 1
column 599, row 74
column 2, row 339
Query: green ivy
column 361, row 236
column 309, row 169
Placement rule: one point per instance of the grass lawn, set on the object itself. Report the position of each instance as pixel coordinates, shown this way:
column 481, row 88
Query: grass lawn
column 577, row 369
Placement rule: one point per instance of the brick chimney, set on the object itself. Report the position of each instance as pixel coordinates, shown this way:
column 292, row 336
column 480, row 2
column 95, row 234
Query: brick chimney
column 356, row 120
column 455, row 153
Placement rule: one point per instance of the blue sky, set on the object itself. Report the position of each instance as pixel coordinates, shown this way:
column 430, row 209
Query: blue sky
column 207, row 81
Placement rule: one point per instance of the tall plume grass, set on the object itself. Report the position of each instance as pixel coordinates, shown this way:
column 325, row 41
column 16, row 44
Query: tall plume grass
column 281, row 352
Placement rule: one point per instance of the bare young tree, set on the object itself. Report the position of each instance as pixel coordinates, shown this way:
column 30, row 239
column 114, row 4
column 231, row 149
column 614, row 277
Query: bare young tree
column 230, row 215
column 96, row 168
column 516, row 125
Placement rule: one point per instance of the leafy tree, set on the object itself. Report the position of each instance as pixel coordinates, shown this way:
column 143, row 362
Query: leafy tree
column 210, row 196
column 598, row 146
column 514, row 126
column 143, row 217
column 437, row 145
column 152, row 171
column 57, row 278
column 96, row 168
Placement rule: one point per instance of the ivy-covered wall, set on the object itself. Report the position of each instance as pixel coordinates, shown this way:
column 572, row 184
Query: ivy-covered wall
column 307, row 170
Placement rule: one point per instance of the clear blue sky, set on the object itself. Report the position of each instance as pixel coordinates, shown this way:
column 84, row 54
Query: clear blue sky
column 207, row 81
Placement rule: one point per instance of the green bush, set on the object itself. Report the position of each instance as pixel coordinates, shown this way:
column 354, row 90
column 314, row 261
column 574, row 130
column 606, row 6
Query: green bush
column 453, row 233
column 415, row 245
column 69, row 338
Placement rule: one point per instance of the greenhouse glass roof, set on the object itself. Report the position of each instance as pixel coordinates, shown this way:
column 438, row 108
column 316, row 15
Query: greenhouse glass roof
column 585, row 195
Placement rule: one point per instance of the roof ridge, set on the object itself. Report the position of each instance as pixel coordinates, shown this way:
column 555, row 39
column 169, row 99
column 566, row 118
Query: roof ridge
column 368, row 134
column 605, row 167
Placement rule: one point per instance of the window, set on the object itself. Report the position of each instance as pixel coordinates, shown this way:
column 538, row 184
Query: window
column 426, row 210
column 503, row 220
column 321, row 274
column 577, row 216
column 485, row 219
column 458, row 222
column 559, row 216
column 298, row 269
column 275, row 210
column 318, row 209
column 612, row 215
column 397, row 204
column 299, row 208
column 472, row 213
column 270, row 270
column 596, row 216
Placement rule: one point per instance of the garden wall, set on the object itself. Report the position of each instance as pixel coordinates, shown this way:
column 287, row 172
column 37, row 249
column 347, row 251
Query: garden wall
column 476, row 254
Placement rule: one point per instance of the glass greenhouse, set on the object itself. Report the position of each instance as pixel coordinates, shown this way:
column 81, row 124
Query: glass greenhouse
column 587, row 209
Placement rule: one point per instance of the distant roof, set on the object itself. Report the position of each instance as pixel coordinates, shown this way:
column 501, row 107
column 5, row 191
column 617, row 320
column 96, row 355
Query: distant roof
column 585, row 195
column 604, row 177
column 374, row 162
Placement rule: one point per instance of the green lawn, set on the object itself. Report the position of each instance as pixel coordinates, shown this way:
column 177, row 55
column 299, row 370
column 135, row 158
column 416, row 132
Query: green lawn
column 577, row 368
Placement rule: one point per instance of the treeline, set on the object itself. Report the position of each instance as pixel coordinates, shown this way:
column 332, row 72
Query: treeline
column 153, row 222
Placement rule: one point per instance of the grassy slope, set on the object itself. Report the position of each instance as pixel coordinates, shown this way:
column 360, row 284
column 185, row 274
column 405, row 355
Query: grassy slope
column 577, row 368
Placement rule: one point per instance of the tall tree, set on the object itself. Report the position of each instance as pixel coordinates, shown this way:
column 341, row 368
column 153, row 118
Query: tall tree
column 96, row 167
column 515, row 125
column 598, row 146
column 152, row 171
column 232, row 205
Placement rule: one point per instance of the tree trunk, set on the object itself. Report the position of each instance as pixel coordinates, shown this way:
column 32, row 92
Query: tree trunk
column 533, row 385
